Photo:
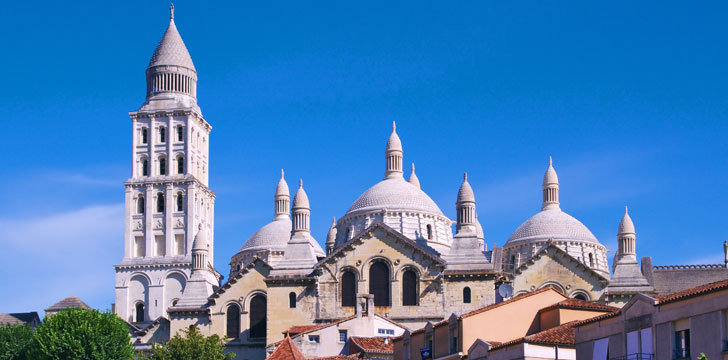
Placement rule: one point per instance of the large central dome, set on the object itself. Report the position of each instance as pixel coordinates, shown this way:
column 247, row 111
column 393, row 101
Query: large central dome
column 552, row 224
column 394, row 194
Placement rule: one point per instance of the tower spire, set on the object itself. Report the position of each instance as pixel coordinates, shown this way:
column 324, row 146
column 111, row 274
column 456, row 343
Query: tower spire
column 465, row 206
column 413, row 179
column 171, row 11
column 331, row 237
column 301, row 210
column 282, row 198
column 393, row 154
column 550, row 188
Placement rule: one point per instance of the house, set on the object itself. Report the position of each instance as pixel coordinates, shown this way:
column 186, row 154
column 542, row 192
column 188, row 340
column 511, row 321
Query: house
column 30, row 318
column 69, row 302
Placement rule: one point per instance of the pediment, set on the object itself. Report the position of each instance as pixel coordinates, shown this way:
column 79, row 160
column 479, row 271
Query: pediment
column 551, row 252
column 257, row 265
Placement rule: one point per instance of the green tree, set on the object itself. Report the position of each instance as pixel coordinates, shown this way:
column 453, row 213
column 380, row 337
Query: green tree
column 192, row 345
column 15, row 341
column 82, row 334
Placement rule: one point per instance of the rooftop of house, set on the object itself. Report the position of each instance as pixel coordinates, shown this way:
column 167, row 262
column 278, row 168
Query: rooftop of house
column 18, row 318
column 380, row 345
column 71, row 301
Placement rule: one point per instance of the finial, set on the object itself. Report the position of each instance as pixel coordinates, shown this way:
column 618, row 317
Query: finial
column 551, row 162
column 413, row 167
column 465, row 176
column 171, row 11
column 394, row 126
column 300, row 182
column 333, row 223
column 625, row 209
column 281, row 173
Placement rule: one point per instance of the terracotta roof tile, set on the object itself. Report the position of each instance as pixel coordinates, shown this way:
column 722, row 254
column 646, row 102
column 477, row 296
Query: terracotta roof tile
column 299, row 329
column 577, row 304
column 286, row 350
column 381, row 345
column 560, row 335
column 598, row 318
column 336, row 357
column 693, row 292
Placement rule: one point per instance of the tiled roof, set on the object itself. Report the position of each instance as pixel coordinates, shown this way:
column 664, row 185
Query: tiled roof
column 598, row 318
column 18, row 318
column 381, row 345
column 336, row 357
column 517, row 298
column 299, row 329
column 693, row 292
column 68, row 302
column 560, row 335
column 577, row 304
column 286, row 350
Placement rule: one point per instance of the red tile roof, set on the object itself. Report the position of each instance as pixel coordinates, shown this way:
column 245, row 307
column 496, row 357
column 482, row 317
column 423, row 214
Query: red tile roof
column 693, row 292
column 300, row 329
column 517, row 298
column 576, row 304
column 560, row 335
column 380, row 345
column 598, row 318
column 286, row 350
column 337, row 357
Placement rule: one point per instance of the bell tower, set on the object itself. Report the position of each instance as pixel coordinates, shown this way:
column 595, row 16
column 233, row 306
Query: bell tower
column 167, row 196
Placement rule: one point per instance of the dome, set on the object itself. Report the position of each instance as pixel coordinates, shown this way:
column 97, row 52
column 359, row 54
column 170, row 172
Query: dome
column 394, row 143
column 550, row 176
column 626, row 226
column 552, row 224
column 171, row 50
column 200, row 242
column 395, row 194
column 466, row 192
column 282, row 187
column 273, row 236
column 300, row 200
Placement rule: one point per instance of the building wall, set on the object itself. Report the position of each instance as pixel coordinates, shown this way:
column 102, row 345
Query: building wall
column 568, row 278
column 280, row 316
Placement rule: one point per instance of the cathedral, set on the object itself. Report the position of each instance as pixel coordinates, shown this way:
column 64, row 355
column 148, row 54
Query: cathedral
column 394, row 244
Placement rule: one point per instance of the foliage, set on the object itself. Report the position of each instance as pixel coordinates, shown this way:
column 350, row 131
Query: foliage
column 192, row 345
column 15, row 341
column 703, row 357
column 82, row 334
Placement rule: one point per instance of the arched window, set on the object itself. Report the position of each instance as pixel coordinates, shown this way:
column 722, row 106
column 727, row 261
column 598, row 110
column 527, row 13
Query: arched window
column 258, row 317
column 591, row 260
column 180, row 133
column 379, row 284
column 180, row 201
column 180, row 164
column 513, row 261
column 429, row 232
column 409, row 288
column 580, row 297
column 233, row 322
column 139, row 313
column 144, row 135
column 160, row 202
column 162, row 134
column 145, row 167
column 140, row 205
column 466, row 295
column 162, row 166
column 292, row 300
column 348, row 289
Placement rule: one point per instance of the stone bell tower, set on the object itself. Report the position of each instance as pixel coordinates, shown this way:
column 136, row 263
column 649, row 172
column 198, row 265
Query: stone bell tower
column 167, row 196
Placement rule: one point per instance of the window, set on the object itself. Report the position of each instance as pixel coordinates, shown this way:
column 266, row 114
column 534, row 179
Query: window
column 180, row 164
column 179, row 241
column 348, row 289
column 314, row 339
column 139, row 313
column 385, row 331
column 379, row 284
column 180, row 201
column 429, row 232
column 513, row 261
column 159, row 245
column 258, row 317
column 145, row 167
column 162, row 134
column 139, row 246
column 160, row 202
column 162, row 166
column 409, row 288
column 292, row 300
column 180, row 133
column 140, row 205
column 580, row 297
column 343, row 335
column 466, row 295
column 601, row 349
column 591, row 260
column 233, row 322
column 144, row 135
column 682, row 344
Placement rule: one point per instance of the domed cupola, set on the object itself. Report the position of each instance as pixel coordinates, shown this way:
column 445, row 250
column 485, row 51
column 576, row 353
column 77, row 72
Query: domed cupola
column 551, row 223
column 171, row 75
column 398, row 203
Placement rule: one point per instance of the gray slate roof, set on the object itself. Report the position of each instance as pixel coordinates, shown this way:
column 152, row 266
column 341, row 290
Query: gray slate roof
column 66, row 303
column 19, row 318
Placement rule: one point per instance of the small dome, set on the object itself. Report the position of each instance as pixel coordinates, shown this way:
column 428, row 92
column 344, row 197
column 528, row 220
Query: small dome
column 273, row 236
column 550, row 176
column 393, row 143
column 394, row 194
column 413, row 179
column 301, row 199
column 552, row 224
column 626, row 226
column 282, row 188
column 479, row 229
column 466, row 192
column 200, row 242
column 171, row 50
column 331, row 236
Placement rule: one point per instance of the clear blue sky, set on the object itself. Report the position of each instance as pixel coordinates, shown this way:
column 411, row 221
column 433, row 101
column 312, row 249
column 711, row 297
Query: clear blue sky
column 628, row 97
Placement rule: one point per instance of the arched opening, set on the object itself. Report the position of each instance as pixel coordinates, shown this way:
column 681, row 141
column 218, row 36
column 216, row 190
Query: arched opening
column 580, row 297
column 160, row 202
column 591, row 260
column 180, row 133
column 409, row 288
column 292, row 300
column 429, row 232
column 180, row 164
column 379, row 284
column 162, row 134
column 145, row 167
column 180, row 201
column 162, row 166
column 258, row 317
column 466, row 295
column 139, row 313
column 233, row 322
column 348, row 289
column 140, row 204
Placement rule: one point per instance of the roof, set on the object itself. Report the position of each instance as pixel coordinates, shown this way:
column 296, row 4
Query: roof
column 380, row 345
column 286, row 350
column 394, row 143
column 559, row 335
column 465, row 193
column 551, row 245
column 171, row 50
column 693, row 292
column 19, row 318
column 272, row 236
column 336, row 357
column 295, row 330
column 70, row 301
column 626, row 226
column 300, row 200
column 395, row 194
column 576, row 304
column 512, row 300
column 599, row 318
column 552, row 223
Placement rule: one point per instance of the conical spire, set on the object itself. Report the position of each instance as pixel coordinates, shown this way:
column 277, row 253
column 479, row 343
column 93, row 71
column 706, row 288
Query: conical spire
column 199, row 248
column 300, row 200
column 550, row 188
column 393, row 154
column 626, row 236
column 331, row 237
column 413, row 177
column 301, row 210
column 465, row 194
column 282, row 197
column 626, row 226
column 171, row 50
column 465, row 207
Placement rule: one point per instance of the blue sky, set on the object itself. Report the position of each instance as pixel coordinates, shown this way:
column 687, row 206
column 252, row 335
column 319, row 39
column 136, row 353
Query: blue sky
column 629, row 98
